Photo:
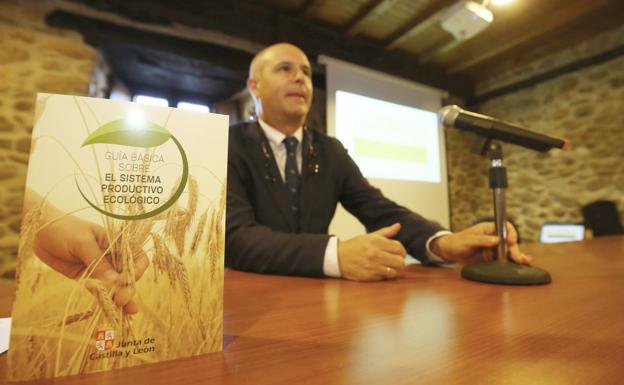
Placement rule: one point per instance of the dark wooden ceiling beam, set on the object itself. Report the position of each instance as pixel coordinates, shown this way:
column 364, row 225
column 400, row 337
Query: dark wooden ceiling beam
column 373, row 7
column 564, row 16
column 409, row 27
column 173, row 66
column 99, row 32
column 447, row 45
column 307, row 8
column 264, row 25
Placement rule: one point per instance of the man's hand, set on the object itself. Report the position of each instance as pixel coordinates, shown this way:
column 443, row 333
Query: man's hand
column 477, row 243
column 373, row 256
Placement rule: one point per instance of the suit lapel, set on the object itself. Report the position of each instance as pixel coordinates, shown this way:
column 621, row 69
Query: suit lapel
column 310, row 181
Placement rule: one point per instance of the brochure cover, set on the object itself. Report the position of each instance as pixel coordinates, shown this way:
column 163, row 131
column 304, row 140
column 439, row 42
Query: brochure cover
column 120, row 258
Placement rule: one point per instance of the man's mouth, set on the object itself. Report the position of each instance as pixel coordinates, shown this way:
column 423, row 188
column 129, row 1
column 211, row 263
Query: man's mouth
column 296, row 94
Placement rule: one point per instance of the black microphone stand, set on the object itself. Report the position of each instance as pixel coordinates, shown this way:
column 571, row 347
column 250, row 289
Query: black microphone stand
column 501, row 270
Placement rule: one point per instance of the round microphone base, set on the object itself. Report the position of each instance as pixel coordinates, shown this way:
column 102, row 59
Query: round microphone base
column 505, row 273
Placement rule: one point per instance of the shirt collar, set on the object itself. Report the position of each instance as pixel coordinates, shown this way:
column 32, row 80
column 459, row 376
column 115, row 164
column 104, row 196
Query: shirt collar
column 275, row 136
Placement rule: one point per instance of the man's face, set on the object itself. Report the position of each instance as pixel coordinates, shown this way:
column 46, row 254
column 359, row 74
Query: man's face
column 283, row 84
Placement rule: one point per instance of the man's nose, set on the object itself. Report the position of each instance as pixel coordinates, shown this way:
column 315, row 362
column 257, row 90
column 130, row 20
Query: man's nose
column 299, row 76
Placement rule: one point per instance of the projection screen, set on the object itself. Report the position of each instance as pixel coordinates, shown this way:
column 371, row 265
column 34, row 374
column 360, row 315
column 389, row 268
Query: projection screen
column 389, row 126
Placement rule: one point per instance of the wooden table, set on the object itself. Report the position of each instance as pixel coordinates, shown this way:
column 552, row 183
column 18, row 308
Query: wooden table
column 430, row 327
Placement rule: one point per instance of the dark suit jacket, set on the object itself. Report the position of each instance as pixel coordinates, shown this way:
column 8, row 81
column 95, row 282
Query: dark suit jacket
column 261, row 235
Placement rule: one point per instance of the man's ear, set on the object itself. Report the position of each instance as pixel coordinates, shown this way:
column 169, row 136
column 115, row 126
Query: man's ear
column 251, row 86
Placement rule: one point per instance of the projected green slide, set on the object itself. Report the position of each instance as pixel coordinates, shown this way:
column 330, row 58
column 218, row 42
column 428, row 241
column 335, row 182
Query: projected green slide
column 390, row 151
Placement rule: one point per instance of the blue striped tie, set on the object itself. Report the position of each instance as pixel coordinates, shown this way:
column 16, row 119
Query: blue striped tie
column 293, row 181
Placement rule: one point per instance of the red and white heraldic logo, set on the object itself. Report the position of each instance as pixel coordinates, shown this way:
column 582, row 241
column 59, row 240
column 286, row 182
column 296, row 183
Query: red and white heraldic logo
column 104, row 339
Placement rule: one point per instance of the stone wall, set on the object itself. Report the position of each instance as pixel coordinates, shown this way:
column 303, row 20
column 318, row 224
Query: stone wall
column 33, row 58
column 584, row 106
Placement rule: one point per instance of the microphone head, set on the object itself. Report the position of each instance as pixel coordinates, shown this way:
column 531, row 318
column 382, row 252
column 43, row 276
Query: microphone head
column 447, row 115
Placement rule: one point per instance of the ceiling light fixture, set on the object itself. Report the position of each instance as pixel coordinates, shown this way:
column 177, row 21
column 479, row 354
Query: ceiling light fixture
column 465, row 19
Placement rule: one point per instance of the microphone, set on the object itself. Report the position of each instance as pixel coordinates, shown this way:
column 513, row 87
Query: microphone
column 492, row 128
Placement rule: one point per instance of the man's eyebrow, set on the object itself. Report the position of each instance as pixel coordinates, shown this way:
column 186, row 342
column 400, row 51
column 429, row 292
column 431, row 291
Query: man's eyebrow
column 280, row 63
column 305, row 66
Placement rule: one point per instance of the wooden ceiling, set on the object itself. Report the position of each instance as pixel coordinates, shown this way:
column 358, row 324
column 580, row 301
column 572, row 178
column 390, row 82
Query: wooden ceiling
column 401, row 37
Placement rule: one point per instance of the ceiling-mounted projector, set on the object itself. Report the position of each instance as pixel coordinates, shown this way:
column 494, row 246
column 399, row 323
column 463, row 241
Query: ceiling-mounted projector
column 466, row 19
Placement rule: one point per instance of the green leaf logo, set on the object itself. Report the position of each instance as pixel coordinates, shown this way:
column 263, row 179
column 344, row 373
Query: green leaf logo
column 127, row 133
column 144, row 134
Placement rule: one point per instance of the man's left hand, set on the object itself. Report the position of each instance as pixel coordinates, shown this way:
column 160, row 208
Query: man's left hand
column 477, row 243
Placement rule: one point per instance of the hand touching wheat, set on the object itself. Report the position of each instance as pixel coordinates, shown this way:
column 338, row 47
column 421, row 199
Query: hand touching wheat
column 71, row 246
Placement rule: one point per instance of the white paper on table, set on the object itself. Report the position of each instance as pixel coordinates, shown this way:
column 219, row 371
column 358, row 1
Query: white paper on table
column 5, row 333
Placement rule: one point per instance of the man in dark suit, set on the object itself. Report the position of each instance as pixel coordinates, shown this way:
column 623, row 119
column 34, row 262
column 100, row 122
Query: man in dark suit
column 285, row 180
